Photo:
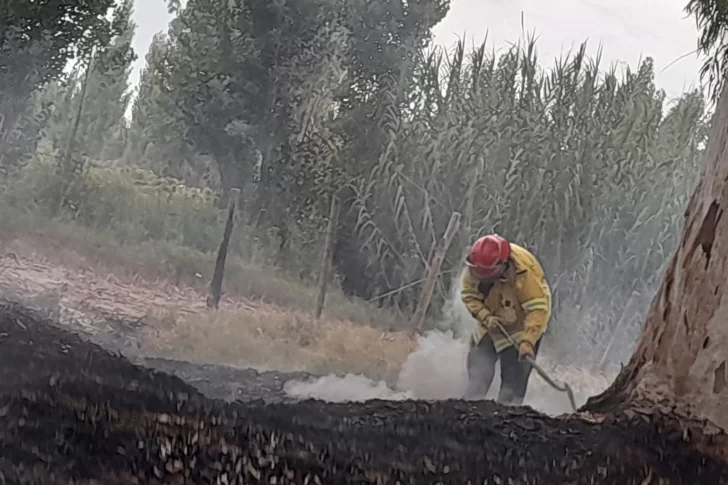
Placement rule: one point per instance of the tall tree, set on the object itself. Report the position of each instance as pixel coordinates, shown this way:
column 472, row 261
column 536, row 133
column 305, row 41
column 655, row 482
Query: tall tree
column 278, row 92
column 38, row 39
column 102, row 133
column 157, row 132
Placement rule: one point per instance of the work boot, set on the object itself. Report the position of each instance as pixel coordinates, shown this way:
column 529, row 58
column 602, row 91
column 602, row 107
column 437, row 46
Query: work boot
column 507, row 397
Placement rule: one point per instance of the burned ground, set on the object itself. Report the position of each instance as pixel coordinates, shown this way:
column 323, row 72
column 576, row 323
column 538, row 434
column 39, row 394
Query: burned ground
column 231, row 383
column 71, row 411
column 56, row 348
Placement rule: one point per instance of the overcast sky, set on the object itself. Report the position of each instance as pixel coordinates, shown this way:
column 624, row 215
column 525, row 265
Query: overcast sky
column 626, row 30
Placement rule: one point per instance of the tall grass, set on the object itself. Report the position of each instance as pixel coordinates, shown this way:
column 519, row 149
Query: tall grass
column 589, row 170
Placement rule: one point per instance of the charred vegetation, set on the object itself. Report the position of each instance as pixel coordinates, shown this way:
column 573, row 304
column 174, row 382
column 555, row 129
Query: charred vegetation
column 70, row 411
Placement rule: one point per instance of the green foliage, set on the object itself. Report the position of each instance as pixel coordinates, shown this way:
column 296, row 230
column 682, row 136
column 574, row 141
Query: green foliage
column 711, row 17
column 101, row 130
column 274, row 91
column 21, row 134
column 132, row 203
column 157, row 133
column 37, row 40
column 86, row 108
column 135, row 205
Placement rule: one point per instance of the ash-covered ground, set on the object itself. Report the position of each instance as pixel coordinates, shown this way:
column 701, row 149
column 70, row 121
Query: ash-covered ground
column 71, row 412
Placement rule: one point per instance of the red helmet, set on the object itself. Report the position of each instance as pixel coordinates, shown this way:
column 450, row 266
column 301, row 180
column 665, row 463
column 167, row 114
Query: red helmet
column 488, row 254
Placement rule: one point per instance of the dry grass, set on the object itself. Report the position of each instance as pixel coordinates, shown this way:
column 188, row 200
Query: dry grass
column 267, row 337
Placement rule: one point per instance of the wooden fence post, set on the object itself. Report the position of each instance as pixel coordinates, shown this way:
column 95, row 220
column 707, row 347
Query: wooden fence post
column 434, row 270
column 327, row 255
column 216, row 284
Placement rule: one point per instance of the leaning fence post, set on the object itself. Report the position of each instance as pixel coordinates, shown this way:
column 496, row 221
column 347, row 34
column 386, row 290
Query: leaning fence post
column 327, row 256
column 434, row 270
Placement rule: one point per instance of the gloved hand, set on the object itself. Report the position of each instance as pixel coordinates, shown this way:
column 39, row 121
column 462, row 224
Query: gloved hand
column 525, row 349
column 490, row 322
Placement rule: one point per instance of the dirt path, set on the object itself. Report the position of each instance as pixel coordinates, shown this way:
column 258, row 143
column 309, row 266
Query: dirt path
column 111, row 312
column 231, row 383
column 92, row 303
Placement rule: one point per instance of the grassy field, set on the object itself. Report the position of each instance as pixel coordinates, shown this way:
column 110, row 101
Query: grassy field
column 265, row 320
column 186, row 267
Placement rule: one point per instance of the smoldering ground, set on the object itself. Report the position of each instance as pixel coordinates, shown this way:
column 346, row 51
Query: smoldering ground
column 436, row 371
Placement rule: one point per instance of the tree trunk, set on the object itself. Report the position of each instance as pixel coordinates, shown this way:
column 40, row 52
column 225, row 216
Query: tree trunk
column 680, row 360
column 68, row 169
column 213, row 299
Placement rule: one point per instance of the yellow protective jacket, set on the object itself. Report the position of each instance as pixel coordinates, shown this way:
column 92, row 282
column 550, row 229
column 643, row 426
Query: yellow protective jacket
column 523, row 304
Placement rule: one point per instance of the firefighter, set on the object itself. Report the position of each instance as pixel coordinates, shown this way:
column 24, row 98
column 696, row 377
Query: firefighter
column 503, row 283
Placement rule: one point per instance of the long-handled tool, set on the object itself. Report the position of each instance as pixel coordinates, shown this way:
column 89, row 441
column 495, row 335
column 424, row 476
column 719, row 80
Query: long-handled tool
column 559, row 387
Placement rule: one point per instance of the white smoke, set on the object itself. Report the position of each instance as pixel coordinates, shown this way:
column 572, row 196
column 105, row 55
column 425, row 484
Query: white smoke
column 436, row 370
column 351, row 387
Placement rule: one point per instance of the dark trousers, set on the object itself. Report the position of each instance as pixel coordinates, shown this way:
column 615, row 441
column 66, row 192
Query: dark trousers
column 481, row 370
